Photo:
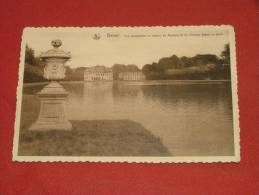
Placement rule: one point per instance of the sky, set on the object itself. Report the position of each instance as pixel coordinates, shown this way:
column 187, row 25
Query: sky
column 125, row 45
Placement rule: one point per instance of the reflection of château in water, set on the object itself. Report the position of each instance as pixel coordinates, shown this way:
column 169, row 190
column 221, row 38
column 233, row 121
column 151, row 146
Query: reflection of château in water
column 98, row 73
column 132, row 76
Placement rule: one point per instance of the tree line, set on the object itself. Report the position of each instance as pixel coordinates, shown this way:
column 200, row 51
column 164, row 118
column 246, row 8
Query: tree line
column 201, row 66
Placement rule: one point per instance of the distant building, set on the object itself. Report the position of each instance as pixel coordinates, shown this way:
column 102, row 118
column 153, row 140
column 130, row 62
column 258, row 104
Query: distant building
column 132, row 76
column 98, row 73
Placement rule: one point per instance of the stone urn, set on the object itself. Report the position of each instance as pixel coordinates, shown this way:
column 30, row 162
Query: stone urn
column 52, row 115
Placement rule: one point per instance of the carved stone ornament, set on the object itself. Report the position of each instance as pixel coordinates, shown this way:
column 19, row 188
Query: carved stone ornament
column 55, row 60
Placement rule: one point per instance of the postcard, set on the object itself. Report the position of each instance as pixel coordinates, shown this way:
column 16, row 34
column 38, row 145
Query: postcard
column 127, row 94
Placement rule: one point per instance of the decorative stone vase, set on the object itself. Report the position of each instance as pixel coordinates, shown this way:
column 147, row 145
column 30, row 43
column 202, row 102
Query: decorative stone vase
column 52, row 97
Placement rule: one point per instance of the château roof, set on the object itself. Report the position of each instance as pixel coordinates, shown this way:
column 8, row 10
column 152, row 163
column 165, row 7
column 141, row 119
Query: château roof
column 98, row 69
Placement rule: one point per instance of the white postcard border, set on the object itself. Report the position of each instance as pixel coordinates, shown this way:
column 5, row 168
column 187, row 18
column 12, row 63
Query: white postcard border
column 130, row 159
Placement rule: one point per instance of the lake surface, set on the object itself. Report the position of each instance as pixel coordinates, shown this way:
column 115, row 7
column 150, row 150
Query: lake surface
column 190, row 117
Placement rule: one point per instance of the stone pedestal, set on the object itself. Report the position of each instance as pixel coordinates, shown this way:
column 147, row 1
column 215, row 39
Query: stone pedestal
column 52, row 114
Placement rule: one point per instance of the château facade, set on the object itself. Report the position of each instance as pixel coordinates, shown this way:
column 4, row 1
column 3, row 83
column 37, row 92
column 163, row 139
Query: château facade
column 98, row 73
column 132, row 76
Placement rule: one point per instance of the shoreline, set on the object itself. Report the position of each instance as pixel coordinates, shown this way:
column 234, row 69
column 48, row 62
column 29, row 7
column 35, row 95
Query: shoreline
column 140, row 82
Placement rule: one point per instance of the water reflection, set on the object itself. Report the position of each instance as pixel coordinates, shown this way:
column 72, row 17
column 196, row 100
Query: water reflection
column 191, row 118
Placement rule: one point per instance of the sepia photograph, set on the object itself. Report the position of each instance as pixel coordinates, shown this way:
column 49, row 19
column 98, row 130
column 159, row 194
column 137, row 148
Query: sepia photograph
column 127, row 94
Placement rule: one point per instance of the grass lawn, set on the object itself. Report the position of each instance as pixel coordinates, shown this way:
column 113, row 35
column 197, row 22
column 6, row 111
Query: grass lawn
column 87, row 138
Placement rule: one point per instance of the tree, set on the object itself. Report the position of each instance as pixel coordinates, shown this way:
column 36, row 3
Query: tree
column 131, row 68
column 33, row 68
column 69, row 73
column 225, row 54
column 200, row 66
column 170, row 62
column 29, row 56
column 225, row 61
column 204, row 59
column 118, row 68
column 147, row 68
column 187, row 62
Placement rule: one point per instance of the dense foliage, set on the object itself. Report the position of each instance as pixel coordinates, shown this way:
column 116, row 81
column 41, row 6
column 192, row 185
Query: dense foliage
column 118, row 68
column 206, row 66
column 33, row 68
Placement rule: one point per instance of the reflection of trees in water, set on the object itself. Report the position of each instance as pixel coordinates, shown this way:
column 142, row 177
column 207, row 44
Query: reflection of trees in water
column 126, row 90
column 190, row 118
column 165, row 94
column 74, row 89
column 200, row 94
column 98, row 91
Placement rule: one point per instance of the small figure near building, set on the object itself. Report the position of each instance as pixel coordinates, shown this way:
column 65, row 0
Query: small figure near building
column 98, row 73
column 132, row 76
